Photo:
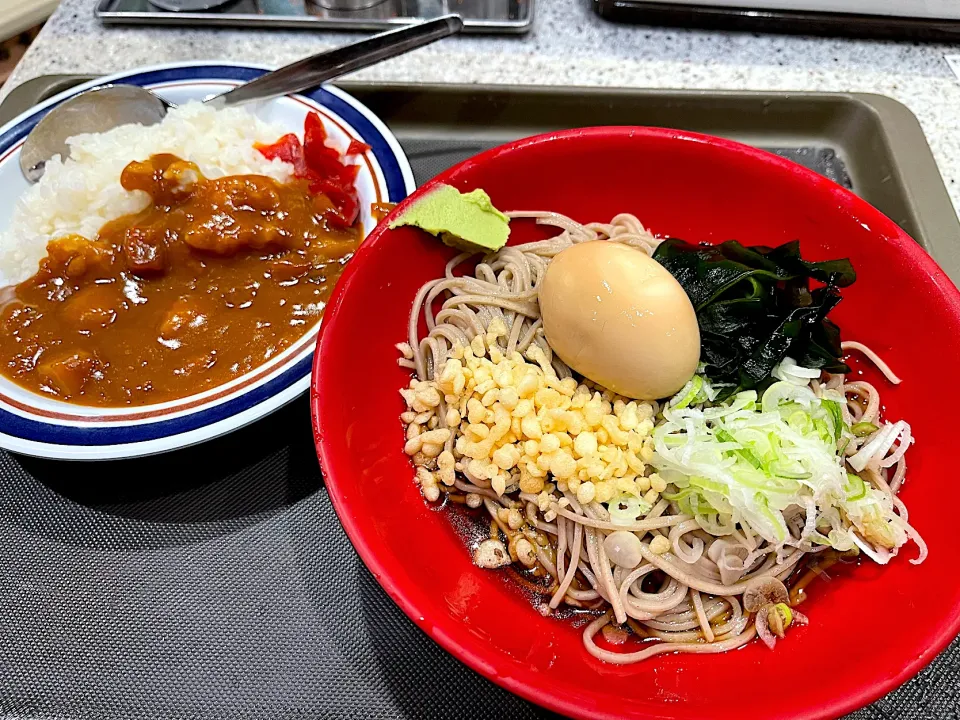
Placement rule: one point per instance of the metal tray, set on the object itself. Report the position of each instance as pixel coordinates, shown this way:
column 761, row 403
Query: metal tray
column 479, row 16
column 216, row 581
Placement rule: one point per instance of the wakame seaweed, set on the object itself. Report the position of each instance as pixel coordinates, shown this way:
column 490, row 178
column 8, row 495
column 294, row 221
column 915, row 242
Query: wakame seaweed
column 755, row 306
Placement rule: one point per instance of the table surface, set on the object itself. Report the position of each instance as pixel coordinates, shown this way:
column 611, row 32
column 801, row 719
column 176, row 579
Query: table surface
column 571, row 46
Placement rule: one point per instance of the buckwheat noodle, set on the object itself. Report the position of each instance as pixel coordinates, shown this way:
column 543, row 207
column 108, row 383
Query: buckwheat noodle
column 687, row 599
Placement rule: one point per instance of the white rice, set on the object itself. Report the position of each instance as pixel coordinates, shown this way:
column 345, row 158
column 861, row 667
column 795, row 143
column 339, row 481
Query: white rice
column 82, row 194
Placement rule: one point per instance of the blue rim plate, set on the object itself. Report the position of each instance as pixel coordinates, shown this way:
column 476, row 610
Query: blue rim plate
column 35, row 425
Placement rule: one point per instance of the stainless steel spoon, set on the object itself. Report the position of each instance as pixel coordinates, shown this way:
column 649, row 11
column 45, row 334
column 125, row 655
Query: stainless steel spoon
column 104, row 108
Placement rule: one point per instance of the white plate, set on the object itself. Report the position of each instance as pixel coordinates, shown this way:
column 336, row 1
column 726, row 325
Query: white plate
column 36, row 425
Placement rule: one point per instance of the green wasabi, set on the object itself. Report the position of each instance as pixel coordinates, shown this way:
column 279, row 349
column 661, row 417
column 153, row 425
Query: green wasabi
column 467, row 221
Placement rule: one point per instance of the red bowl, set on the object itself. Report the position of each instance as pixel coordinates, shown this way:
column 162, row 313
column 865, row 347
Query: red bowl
column 871, row 627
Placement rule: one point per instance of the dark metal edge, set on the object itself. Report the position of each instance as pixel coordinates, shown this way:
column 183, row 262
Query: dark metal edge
column 793, row 22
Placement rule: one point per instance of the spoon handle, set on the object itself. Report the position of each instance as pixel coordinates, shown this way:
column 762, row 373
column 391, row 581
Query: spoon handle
column 318, row 69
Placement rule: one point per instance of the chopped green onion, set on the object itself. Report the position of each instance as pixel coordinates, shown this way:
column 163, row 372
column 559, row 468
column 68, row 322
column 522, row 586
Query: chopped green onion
column 855, row 488
column 724, row 436
column 836, row 416
column 750, row 461
column 800, row 421
column 688, row 393
column 825, row 432
column 705, row 484
column 761, row 501
column 791, row 474
column 625, row 509
column 818, row 539
column 786, row 612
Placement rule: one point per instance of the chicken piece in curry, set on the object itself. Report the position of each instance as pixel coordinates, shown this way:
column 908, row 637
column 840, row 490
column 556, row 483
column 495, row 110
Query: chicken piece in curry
column 211, row 280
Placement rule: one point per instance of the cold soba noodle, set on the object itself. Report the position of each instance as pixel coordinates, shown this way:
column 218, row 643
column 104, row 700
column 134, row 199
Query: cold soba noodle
column 625, row 528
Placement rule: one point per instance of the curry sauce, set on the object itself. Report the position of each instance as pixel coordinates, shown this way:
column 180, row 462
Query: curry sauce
column 212, row 279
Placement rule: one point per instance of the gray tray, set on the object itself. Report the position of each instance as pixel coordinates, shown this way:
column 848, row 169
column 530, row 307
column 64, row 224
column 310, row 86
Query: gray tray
column 216, row 582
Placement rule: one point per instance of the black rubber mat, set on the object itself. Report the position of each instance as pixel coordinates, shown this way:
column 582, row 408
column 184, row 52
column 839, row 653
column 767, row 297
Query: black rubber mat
column 216, row 582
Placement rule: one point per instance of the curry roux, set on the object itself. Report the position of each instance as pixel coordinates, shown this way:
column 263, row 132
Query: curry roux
column 212, row 279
